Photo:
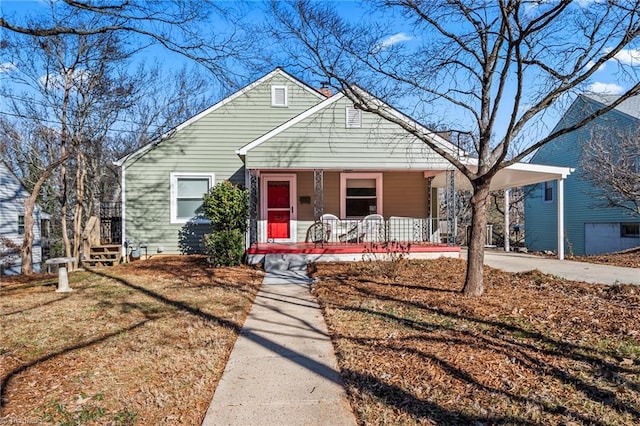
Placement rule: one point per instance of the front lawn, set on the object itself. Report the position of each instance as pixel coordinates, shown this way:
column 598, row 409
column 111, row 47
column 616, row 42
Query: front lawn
column 144, row 343
column 534, row 350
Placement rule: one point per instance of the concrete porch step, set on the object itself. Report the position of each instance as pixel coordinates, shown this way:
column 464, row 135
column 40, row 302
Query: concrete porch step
column 285, row 262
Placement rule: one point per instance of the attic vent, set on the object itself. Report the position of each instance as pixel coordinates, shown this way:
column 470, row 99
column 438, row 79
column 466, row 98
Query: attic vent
column 279, row 96
column 354, row 117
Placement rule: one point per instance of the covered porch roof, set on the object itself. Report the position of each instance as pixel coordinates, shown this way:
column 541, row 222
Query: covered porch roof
column 518, row 174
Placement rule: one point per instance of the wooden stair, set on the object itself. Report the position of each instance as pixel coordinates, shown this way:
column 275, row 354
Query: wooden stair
column 102, row 256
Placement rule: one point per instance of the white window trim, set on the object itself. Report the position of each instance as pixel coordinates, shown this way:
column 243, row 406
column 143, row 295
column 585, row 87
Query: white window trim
column 358, row 125
column 273, row 96
column 343, row 190
column 174, row 193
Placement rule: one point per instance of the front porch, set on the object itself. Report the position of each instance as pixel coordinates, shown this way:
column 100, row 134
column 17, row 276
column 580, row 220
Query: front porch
column 350, row 252
column 330, row 210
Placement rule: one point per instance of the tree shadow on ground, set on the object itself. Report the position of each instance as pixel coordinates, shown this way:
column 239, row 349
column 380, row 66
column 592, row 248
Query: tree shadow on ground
column 593, row 374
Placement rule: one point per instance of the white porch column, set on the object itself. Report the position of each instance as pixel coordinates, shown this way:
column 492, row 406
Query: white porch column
column 560, row 207
column 507, row 244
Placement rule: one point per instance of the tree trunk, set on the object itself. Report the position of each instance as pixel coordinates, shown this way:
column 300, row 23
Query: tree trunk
column 26, row 253
column 474, row 280
column 64, row 133
column 81, row 172
column 29, row 206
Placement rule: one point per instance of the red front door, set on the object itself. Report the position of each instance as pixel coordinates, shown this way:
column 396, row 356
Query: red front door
column 279, row 209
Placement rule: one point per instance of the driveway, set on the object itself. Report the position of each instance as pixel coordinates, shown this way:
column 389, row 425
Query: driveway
column 571, row 270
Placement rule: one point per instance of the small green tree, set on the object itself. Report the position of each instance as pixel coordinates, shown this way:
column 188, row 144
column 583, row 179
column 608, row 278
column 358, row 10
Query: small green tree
column 227, row 206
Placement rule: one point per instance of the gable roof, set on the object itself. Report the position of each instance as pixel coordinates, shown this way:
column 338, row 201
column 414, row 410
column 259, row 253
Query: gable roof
column 249, row 87
column 9, row 180
column 326, row 103
column 12, row 189
column 629, row 106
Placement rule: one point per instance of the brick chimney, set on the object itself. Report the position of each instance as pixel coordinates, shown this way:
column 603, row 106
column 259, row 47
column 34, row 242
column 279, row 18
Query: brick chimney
column 325, row 90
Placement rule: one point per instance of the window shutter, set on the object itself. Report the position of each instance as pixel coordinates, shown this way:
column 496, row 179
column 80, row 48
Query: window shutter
column 354, row 117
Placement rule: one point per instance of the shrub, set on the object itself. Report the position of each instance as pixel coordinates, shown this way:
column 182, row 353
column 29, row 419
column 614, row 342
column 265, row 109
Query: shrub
column 227, row 206
column 224, row 248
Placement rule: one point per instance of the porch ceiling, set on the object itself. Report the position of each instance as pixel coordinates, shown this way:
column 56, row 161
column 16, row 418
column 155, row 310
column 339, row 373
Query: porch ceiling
column 519, row 174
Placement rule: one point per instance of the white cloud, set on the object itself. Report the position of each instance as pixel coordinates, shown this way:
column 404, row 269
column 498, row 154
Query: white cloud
column 605, row 88
column 587, row 3
column 394, row 39
column 7, row 67
column 57, row 81
column 590, row 64
column 629, row 57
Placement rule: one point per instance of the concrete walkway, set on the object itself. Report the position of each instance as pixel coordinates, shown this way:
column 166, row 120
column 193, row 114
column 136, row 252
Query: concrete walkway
column 282, row 370
column 571, row 270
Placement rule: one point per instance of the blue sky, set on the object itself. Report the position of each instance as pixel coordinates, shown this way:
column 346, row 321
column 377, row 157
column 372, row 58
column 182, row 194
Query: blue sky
column 606, row 80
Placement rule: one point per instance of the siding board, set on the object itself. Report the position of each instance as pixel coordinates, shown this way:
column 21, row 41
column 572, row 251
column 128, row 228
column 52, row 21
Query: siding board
column 206, row 145
column 323, row 141
column 582, row 203
column 12, row 196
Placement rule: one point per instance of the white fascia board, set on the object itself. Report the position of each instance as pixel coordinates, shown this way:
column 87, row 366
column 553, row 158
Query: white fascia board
column 562, row 172
column 403, row 117
column 559, row 171
column 223, row 102
column 295, row 120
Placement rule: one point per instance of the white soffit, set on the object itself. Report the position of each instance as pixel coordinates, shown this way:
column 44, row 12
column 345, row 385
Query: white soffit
column 519, row 174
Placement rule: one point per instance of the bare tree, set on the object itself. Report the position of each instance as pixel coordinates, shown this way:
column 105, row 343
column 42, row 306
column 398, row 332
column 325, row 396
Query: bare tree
column 204, row 31
column 611, row 163
column 480, row 62
column 83, row 108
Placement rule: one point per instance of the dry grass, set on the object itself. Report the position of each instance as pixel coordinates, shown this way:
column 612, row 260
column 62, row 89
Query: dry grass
column 629, row 259
column 144, row 343
column 534, row 350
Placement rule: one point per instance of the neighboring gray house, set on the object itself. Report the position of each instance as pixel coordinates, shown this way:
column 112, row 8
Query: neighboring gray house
column 590, row 228
column 302, row 152
column 12, row 196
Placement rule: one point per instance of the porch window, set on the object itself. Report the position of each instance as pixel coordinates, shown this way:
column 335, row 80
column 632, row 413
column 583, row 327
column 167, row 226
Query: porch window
column 630, row 230
column 21, row 225
column 548, row 192
column 187, row 190
column 361, row 194
column 279, row 96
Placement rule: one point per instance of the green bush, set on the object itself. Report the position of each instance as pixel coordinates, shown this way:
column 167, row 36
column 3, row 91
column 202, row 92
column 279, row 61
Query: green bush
column 224, row 248
column 227, row 206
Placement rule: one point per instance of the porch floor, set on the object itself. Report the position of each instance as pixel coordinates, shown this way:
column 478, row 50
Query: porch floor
column 337, row 252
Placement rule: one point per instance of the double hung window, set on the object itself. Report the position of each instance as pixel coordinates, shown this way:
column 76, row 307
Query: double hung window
column 361, row 194
column 187, row 191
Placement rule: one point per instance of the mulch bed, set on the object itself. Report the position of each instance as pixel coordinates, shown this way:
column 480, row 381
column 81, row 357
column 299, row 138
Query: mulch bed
column 144, row 343
column 533, row 350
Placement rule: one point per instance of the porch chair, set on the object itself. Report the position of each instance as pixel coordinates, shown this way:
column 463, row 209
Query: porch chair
column 318, row 233
column 373, row 228
column 331, row 224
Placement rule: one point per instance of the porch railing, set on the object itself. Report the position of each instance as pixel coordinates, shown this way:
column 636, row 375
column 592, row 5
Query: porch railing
column 393, row 229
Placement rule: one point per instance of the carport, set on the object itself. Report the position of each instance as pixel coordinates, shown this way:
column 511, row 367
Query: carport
column 515, row 175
